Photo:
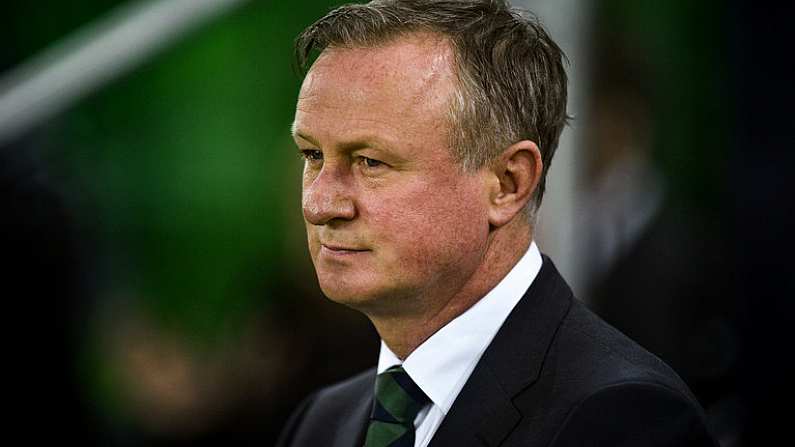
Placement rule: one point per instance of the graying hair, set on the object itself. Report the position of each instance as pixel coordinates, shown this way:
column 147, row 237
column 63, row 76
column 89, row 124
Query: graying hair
column 512, row 81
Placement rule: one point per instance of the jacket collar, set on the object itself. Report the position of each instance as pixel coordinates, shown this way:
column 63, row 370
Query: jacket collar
column 484, row 409
column 352, row 429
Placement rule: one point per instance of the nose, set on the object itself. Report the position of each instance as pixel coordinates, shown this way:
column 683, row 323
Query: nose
column 327, row 197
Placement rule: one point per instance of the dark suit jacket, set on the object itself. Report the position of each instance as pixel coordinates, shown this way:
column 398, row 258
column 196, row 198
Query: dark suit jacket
column 554, row 375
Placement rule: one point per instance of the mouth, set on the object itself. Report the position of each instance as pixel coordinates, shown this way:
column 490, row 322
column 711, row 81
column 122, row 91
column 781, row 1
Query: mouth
column 334, row 248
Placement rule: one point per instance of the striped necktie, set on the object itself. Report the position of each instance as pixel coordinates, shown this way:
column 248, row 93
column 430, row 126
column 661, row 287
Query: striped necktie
column 397, row 401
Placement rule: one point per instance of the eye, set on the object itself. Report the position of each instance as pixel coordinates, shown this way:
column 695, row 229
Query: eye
column 371, row 162
column 311, row 154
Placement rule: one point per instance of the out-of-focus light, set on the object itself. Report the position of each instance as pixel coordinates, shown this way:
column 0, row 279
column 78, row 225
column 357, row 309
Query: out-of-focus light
column 94, row 55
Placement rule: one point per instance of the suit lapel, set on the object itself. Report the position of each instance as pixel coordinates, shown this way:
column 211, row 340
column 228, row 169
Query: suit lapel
column 484, row 413
column 353, row 427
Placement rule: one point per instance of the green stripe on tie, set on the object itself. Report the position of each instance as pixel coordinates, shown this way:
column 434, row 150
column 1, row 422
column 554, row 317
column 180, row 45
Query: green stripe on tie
column 394, row 410
column 383, row 433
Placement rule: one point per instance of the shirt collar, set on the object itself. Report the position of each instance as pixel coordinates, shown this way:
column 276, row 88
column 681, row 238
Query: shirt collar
column 443, row 363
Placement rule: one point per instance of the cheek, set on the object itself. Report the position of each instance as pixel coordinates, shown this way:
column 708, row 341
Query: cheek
column 426, row 227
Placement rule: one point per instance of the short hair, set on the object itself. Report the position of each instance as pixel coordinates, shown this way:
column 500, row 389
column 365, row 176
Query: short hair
column 511, row 76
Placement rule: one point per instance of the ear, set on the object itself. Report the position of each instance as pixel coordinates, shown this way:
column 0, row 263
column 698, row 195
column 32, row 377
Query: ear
column 517, row 172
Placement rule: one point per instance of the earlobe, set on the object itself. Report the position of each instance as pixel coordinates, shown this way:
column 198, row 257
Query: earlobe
column 518, row 170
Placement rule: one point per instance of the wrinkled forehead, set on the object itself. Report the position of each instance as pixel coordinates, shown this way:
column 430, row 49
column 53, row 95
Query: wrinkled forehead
column 410, row 71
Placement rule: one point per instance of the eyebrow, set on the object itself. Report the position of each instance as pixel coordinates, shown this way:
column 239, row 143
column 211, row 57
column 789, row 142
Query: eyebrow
column 348, row 146
column 304, row 137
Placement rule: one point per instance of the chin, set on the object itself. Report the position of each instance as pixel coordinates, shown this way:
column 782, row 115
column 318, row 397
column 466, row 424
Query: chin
column 360, row 295
column 355, row 298
column 353, row 301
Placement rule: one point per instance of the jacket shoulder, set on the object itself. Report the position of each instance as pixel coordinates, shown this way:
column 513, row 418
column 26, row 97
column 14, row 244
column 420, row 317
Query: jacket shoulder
column 597, row 384
column 339, row 394
column 590, row 352
column 613, row 390
column 637, row 414
column 315, row 420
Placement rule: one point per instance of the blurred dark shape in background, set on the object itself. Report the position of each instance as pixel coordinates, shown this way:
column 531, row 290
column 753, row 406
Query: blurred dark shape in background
column 761, row 185
column 156, row 282
column 688, row 220
column 42, row 284
column 658, row 252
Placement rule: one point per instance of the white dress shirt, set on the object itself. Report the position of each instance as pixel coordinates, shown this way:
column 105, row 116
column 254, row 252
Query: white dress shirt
column 443, row 363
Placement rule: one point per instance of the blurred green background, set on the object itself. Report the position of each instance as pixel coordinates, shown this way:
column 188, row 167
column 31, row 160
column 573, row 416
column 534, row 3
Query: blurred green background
column 180, row 185
column 184, row 168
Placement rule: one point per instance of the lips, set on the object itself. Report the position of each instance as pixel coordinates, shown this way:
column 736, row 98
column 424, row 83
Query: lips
column 341, row 248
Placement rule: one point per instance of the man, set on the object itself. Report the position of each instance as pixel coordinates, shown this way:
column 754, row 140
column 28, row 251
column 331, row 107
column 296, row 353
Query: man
column 427, row 129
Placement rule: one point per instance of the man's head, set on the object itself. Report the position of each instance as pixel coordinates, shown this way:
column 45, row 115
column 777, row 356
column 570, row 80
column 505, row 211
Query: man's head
column 511, row 84
column 421, row 158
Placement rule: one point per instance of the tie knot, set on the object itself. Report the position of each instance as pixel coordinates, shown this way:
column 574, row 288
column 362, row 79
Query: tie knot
column 397, row 398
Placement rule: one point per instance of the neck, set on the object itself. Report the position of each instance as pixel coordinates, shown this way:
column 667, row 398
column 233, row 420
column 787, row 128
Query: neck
column 403, row 333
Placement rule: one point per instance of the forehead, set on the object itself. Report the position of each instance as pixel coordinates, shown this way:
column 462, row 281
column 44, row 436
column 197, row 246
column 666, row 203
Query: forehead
column 410, row 78
column 420, row 63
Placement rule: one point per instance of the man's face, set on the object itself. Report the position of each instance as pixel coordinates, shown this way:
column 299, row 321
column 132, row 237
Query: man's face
column 393, row 222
